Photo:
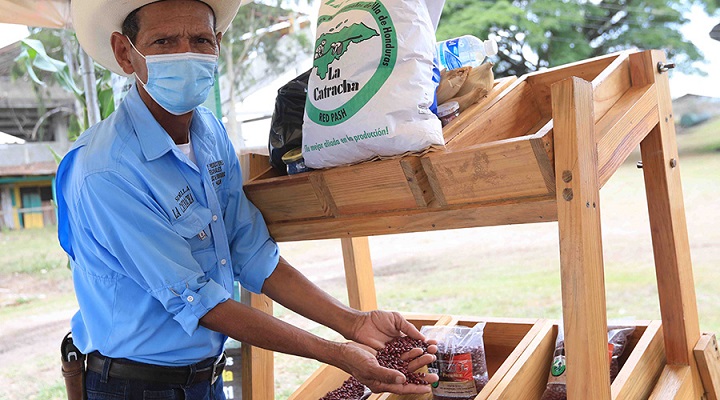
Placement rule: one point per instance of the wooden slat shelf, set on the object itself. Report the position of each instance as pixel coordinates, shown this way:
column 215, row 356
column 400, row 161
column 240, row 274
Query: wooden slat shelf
column 538, row 149
column 499, row 158
column 505, row 341
column 519, row 353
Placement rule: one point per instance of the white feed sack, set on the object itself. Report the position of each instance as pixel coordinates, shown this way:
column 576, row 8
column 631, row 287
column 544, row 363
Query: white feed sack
column 371, row 87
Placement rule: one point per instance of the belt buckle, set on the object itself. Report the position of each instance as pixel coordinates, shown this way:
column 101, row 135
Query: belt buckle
column 219, row 362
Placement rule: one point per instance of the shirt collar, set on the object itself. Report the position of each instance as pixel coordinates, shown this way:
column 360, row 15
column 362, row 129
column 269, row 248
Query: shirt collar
column 203, row 140
column 154, row 140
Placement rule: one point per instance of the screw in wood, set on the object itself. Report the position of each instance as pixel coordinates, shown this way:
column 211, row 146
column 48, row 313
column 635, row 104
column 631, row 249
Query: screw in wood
column 567, row 194
column 567, row 176
column 665, row 67
column 673, row 163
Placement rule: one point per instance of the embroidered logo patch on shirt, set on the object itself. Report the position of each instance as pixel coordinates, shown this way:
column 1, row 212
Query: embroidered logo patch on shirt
column 184, row 199
column 217, row 172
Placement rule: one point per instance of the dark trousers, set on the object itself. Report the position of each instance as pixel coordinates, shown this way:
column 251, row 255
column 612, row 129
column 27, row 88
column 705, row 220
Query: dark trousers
column 100, row 386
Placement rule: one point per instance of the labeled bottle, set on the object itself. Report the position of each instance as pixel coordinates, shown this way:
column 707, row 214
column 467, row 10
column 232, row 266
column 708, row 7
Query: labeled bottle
column 464, row 51
column 448, row 112
column 295, row 162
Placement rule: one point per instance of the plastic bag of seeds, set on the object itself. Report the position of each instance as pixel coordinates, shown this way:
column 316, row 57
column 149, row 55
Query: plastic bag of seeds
column 617, row 343
column 618, row 337
column 556, row 388
column 461, row 363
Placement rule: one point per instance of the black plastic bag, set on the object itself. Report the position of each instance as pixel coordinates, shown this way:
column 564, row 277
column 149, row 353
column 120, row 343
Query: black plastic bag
column 287, row 120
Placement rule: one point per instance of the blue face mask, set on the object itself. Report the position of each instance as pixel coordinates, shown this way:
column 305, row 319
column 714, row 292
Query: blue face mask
column 179, row 82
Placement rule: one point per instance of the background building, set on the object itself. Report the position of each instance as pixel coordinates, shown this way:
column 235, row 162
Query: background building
column 34, row 124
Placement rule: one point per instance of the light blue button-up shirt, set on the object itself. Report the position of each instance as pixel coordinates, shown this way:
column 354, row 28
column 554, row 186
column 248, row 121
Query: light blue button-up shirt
column 156, row 241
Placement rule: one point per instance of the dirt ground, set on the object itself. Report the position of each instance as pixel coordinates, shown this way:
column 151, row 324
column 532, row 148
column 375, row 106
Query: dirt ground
column 28, row 343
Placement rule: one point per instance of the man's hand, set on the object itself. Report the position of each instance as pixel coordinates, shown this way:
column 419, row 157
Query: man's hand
column 290, row 288
column 361, row 363
column 376, row 328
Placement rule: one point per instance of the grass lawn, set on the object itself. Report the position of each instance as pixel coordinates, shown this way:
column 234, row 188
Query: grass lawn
column 509, row 271
column 32, row 267
column 32, row 252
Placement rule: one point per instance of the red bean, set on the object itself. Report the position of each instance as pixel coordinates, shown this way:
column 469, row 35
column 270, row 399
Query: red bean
column 557, row 391
column 388, row 357
column 351, row 389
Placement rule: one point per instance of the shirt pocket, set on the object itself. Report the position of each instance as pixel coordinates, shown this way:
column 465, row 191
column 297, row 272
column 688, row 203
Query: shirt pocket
column 194, row 227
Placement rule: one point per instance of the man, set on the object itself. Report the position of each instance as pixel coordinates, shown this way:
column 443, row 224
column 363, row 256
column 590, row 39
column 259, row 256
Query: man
column 153, row 217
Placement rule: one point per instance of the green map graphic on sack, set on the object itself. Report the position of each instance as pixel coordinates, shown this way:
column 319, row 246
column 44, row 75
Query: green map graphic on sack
column 370, row 91
column 331, row 46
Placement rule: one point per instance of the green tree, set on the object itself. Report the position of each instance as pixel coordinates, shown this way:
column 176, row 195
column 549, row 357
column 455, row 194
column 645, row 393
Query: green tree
column 257, row 48
column 252, row 38
column 50, row 57
column 534, row 34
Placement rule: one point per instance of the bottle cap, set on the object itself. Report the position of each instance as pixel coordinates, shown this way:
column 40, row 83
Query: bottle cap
column 491, row 47
column 448, row 108
column 292, row 155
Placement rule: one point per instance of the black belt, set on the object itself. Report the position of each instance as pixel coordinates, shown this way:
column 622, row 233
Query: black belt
column 126, row 369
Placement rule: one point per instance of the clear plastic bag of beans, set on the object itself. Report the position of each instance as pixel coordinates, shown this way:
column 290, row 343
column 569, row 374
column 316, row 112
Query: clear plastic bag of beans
column 461, row 363
column 618, row 337
column 556, row 388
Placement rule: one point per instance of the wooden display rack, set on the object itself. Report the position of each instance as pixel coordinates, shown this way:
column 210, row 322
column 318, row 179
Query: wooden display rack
column 538, row 149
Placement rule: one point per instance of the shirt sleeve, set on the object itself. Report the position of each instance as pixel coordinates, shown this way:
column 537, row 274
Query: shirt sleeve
column 254, row 252
column 127, row 229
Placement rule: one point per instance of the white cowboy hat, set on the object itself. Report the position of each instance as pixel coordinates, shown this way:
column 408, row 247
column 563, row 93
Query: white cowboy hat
column 96, row 20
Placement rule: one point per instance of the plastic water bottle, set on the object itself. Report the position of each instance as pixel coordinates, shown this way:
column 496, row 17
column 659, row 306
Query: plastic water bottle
column 465, row 51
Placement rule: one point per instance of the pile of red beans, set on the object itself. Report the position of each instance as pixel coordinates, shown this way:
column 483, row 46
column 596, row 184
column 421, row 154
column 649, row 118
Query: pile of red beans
column 388, row 357
column 351, row 389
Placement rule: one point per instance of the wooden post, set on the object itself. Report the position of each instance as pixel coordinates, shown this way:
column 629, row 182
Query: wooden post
column 258, row 377
column 707, row 355
column 676, row 286
column 359, row 274
column 258, row 368
column 661, row 168
column 581, row 260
